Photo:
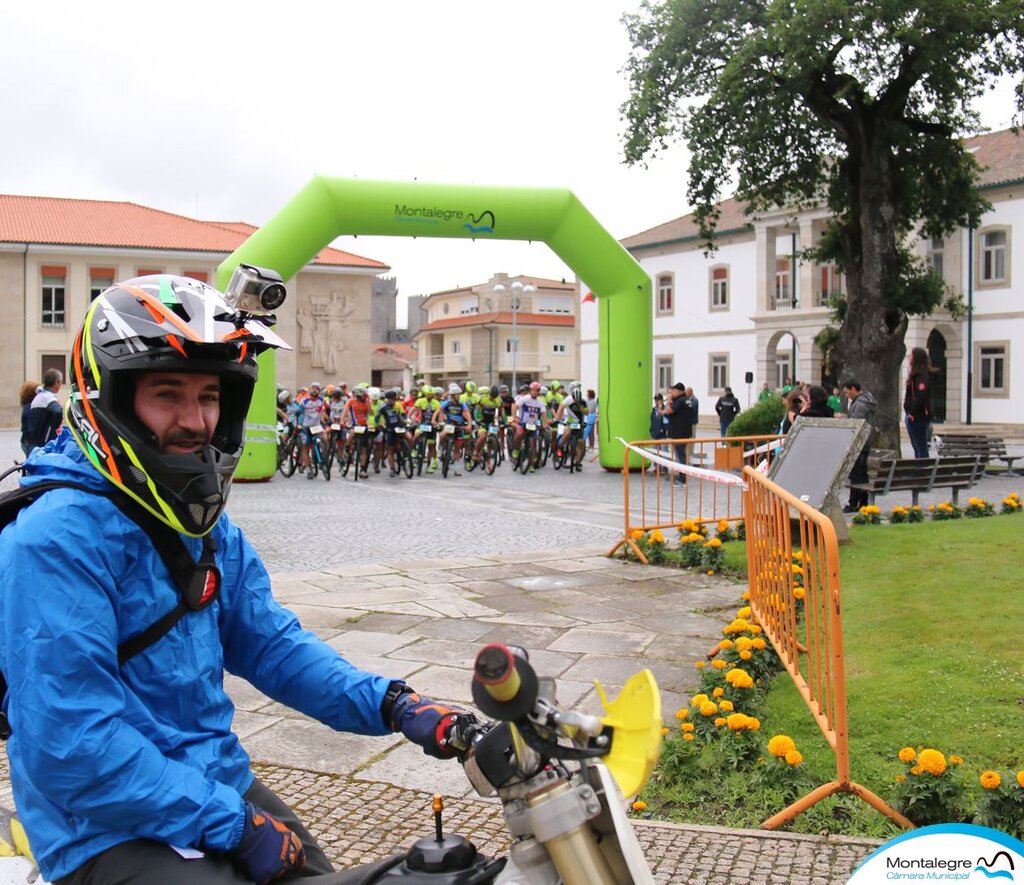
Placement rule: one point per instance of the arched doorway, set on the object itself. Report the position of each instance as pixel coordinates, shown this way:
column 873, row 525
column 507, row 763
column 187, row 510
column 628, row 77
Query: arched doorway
column 783, row 354
column 937, row 354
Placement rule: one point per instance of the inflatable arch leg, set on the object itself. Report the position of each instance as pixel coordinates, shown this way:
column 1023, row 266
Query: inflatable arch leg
column 327, row 208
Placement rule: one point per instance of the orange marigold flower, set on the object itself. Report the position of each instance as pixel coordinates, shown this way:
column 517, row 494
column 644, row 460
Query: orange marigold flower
column 664, row 730
column 932, row 761
column 720, row 721
column 718, row 692
column 799, row 593
column 746, row 655
column 917, row 769
column 1020, row 779
column 699, row 665
column 744, row 612
column 907, row 754
column 724, row 644
column 794, row 758
column 639, row 805
column 718, row 665
column 636, row 534
column 955, row 760
column 687, row 737
column 725, row 706
column 686, row 727
column 708, row 709
column 682, row 713
column 990, row 780
column 781, row 744
column 758, row 643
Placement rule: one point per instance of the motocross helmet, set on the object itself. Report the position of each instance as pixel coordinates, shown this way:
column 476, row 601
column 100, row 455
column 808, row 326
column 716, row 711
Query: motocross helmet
column 169, row 324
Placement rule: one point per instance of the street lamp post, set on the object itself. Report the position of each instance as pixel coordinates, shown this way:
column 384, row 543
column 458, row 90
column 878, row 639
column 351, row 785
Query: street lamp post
column 518, row 290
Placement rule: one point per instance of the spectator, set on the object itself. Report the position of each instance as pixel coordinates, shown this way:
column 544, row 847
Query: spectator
column 591, row 432
column 861, row 405
column 25, row 397
column 680, row 422
column 817, row 405
column 917, row 400
column 766, row 393
column 46, row 412
column 794, row 406
column 834, row 402
column 727, row 407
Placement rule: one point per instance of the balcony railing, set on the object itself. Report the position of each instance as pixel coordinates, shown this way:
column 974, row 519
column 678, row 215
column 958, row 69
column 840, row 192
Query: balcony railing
column 526, row 362
column 445, row 362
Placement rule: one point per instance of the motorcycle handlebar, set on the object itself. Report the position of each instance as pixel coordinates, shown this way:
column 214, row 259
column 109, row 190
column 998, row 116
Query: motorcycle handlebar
column 504, row 684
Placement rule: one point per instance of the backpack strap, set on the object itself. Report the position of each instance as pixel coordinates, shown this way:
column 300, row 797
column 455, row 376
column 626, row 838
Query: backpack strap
column 198, row 583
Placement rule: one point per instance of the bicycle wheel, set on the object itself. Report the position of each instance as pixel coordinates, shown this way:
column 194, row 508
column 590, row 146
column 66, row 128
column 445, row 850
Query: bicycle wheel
column 579, row 451
column 344, row 460
column 468, row 458
column 403, row 457
column 558, row 458
column 288, row 459
column 325, row 460
column 421, row 454
column 312, row 466
column 527, row 453
column 543, row 450
column 446, row 456
column 492, row 454
column 329, row 454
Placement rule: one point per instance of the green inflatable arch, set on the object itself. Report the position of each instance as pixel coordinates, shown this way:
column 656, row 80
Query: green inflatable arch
column 327, row 208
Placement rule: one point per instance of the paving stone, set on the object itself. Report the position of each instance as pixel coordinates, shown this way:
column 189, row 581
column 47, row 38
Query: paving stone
column 356, row 570
column 454, row 654
column 460, row 629
column 538, row 618
column 308, row 744
column 388, row 622
column 368, row 642
column 459, row 608
column 406, row 765
column 528, row 636
column 311, row 615
column 589, row 640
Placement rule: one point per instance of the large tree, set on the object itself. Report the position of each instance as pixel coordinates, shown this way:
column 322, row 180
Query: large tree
column 858, row 105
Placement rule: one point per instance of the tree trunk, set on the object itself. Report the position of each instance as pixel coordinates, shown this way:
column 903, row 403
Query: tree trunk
column 871, row 346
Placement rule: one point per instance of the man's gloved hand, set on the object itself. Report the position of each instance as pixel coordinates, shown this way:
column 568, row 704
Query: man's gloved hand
column 268, row 849
column 429, row 723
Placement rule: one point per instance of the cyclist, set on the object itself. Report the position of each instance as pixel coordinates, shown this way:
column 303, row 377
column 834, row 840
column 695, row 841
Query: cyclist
column 391, row 421
column 357, row 414
column 452, row 413
column 336, row 416
column 530, row 409
column 422, row 417
column 312, row 408
column 572, row 410
column 376, row 428
column 488, row 412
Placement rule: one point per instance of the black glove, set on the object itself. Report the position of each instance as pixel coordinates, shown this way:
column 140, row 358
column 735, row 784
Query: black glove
column 268, row 849
column 429, row 723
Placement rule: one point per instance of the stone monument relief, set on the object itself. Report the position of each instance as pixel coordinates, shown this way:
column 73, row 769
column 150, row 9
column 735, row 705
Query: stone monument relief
column 322, row 329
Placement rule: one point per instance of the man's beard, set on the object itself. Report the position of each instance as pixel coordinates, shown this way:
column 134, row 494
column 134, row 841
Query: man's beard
column 185, row 439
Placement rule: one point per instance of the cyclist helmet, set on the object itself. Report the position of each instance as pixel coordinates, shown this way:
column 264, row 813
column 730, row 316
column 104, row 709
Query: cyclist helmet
column 543, row 390
column 525, row 388
column 454, row 389
column 535, row 387
column 338, row 394
column 470, row 387
column 374, row 393
column 391, row 394
column 283, row 395
column 359, row 391
column 169, row 324
column 329, row 390
column 576, row 391
column 555, row 385
column 494, row 391
column 502, row 388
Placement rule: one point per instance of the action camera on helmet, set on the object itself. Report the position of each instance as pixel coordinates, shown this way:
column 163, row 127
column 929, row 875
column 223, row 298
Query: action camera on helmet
column 255, row 290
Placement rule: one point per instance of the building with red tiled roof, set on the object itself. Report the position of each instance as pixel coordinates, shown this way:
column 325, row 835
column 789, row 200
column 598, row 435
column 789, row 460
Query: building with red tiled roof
column 752, row 313
column 57, row 254
column 505, row 331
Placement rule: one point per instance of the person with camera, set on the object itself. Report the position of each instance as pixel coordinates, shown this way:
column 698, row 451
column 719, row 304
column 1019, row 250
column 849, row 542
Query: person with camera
column 124, row 766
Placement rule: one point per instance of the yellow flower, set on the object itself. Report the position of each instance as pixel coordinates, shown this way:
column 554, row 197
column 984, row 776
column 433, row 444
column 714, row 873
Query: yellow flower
column 739, row 625
column 718, row 665
column 710, row 571
column 725, row 706
column 699, row 665
column 753, row 723
column 657, row 537
column 725, row 643
column 746, row 655
column 687, row 737
column 798, row 555
column 737, row 721
column 664, row 731
column 794, row 758
column 781, row 744
column 720, row 721
column 639, row 805
column 718, row 692
column 955, row 760
column 722, row 525
column 744, row 643
column 758, row 643
column 698, row 699
column 754, row 628
column 990, row 780
column 636, row 534
column 1020, row 779
column 686, row 727
column 682, row 713
column 900, row 778
column 714, row 542
column 797, row 570
column 917, row 769
column 746, row 596
column 932, row 761
column 907, row 754
column 744, row 612
column 708, row 708
column 799, row 593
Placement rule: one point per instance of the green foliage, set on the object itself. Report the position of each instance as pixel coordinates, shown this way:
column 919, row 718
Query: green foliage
column 1002, row 808
column 761, row 418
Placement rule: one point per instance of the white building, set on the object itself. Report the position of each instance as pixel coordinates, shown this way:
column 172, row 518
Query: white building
column 755, row 307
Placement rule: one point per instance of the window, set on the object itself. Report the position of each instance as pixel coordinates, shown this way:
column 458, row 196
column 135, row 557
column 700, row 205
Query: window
column 468, row 306
column 444, row 308
column 720, row 288
column 783, row 299
column 664, row 371
column 100, row 279
column 53, row 361
column 993, row 257
column 559, row 345
column 511, row 345
column 201, row 275
column 718, row 365
column 666, row 285
column 456, row 347
column 935, row 249
column 554, row 304
column 993, row 360
column 830, row 284
column 53, row 292
column 148, row 272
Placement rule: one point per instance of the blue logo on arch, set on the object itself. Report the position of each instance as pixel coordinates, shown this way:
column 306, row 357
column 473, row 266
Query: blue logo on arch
column 482, row 223
column 1000, row 867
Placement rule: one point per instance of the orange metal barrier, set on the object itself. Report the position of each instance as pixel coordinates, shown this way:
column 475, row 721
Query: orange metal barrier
column 811, row 648
column 653, row 501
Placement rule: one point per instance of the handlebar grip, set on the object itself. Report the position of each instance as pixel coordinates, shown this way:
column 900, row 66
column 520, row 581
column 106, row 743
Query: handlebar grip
column 504, row 684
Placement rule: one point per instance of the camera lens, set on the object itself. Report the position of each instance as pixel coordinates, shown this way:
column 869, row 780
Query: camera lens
column 272, row 297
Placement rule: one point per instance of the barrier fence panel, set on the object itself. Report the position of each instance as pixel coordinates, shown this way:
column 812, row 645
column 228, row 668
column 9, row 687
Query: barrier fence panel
column 713, row 488
column 793, row 564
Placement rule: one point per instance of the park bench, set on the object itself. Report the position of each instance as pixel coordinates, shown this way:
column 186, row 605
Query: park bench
column 917, row 475
column 988, row 448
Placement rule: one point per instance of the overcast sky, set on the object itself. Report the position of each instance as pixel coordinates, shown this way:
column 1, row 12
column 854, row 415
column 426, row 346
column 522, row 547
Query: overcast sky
column 224, row 111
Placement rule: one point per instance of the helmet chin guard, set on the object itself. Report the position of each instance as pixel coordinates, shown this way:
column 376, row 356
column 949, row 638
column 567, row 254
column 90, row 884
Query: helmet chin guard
column 164, row 324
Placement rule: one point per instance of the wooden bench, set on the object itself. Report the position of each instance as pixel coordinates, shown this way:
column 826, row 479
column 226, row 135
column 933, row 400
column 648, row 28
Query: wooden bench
column 988, row 448
column 917, row 475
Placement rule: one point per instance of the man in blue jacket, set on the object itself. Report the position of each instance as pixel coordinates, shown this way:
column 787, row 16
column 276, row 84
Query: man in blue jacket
column 123, row 762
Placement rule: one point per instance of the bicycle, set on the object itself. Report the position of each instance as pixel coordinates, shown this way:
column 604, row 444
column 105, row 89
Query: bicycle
column 363, row 449
column 317, row 460
column 447, row 452
column 529, row 449
column 403, row 454
column 492, row 453
column 287, row 449
column 421, row 447
column 571, row 453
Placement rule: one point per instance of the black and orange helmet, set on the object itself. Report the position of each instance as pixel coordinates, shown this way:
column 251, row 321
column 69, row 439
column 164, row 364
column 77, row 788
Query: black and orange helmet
column 168, row 324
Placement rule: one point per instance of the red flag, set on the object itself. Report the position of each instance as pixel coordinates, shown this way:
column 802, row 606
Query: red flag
column 588, row 297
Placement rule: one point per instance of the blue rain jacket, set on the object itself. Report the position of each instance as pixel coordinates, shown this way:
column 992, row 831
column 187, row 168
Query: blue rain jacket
column 100, row 754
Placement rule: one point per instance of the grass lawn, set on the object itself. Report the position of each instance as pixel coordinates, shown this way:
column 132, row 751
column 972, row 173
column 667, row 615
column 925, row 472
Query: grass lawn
column 932, row 617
